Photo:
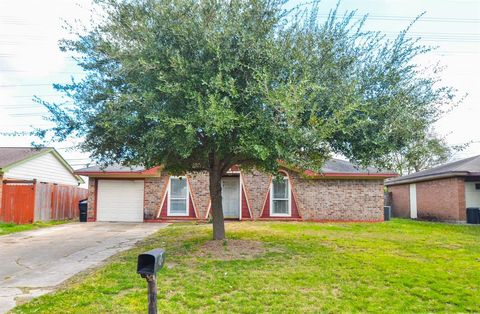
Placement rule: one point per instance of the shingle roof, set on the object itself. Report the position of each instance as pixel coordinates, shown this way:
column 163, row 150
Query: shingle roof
column 465, row 167
column 11, row 155
column 341, row 166
column 111, row 168
column 333, row 166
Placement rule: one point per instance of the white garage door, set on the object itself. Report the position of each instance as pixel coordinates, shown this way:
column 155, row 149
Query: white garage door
column 120, row 200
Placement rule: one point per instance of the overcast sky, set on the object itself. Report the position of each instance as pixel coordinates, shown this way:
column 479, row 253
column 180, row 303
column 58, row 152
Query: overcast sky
column 30, row 60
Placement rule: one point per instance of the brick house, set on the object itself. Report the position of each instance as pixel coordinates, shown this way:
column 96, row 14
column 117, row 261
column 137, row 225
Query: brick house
column 441, row 193
column 341, row 192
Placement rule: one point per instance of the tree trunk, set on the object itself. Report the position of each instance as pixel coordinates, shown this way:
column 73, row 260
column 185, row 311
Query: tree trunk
column 215, row 177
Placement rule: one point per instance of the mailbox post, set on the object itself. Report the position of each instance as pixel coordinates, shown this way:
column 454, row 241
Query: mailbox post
column 149, row 263
column 152, row 293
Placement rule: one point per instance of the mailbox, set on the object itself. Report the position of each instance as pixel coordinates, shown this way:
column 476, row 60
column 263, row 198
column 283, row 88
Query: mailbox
column 149, row 263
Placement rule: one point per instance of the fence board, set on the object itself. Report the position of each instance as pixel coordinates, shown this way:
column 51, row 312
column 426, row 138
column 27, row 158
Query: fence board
column 18, row 203
column 43, row 202
column 25, row 203
column 59, row 202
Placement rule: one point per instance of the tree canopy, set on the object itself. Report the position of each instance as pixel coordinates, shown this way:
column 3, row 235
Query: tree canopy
column 423, row 153
column 206, row 84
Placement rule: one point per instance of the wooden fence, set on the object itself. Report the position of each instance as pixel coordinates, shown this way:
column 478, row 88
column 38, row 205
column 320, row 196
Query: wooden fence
column 18, row 202
column 29, row 201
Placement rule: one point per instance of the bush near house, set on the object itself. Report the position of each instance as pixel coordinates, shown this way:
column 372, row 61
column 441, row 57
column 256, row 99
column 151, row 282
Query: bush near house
column 397, row 266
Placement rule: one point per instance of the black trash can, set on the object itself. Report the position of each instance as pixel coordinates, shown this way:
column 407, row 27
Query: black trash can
column 387, row 213
column 83, row 206
column 473, row 215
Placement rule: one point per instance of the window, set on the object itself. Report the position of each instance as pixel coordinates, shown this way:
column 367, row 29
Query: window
column 477, row 186
column 280, row 198
column 178, row 200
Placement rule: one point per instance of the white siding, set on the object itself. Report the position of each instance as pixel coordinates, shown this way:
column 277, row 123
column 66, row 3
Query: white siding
column 472, row 195
column 45, row 168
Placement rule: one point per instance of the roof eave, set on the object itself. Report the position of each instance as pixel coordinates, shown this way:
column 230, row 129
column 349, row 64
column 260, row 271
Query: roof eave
column 308, row 174
column 115, row 175
column 444, row 175
column 147, row 173
column 340, row 175
column 41, row 153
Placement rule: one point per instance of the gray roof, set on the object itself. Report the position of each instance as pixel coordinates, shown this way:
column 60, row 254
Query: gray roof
column 11, row 155
column 341, row 166
column 111, row 168
column 331, row 166
column 465, row 167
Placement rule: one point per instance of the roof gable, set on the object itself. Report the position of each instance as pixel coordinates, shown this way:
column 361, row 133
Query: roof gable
column 11, row 157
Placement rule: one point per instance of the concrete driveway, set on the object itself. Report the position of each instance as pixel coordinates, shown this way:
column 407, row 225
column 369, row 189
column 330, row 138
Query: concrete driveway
column 33, row 263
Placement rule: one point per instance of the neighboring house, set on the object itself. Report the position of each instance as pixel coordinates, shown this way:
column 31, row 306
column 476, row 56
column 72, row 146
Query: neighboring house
column 37, row 184
column 441, row 193
column 341, row 192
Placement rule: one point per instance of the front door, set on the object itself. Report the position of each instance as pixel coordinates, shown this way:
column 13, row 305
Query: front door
column 231, row 197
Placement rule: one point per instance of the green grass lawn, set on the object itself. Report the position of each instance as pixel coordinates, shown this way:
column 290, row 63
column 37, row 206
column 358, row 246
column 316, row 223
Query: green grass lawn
column 6, row 228
column 397, row 266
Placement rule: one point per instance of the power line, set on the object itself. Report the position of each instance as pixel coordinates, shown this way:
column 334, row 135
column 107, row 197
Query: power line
column 21, row 85
column 411, row 18
column 66, row 57
column 16, row 126
column 33, row 105
column 29, row 114
column 12, row 20
column 76, row 159
column 31, row 96
column 30, row 71
column 455, row 52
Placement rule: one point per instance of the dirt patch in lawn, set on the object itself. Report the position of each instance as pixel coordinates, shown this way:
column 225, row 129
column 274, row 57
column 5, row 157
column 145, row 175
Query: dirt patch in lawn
column 233, row 249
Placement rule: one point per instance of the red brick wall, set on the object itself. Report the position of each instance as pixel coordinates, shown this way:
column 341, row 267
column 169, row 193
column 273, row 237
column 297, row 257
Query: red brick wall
column 325, row 199
column 256, row 185
column 320, row 199
column 153, row 193
column 400, row 200
column 199, row 187
column 155, row 189
column 91, row 198
column 442, row 199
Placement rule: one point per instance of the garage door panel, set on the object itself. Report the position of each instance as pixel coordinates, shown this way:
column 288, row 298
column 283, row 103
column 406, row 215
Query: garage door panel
column 120, row 200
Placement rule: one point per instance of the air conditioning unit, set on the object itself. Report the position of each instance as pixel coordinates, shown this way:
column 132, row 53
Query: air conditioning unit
column 473, row 215
column 387, row 213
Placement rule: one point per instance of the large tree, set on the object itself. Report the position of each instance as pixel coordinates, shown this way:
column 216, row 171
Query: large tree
column 201, row 85
column 422, row 152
